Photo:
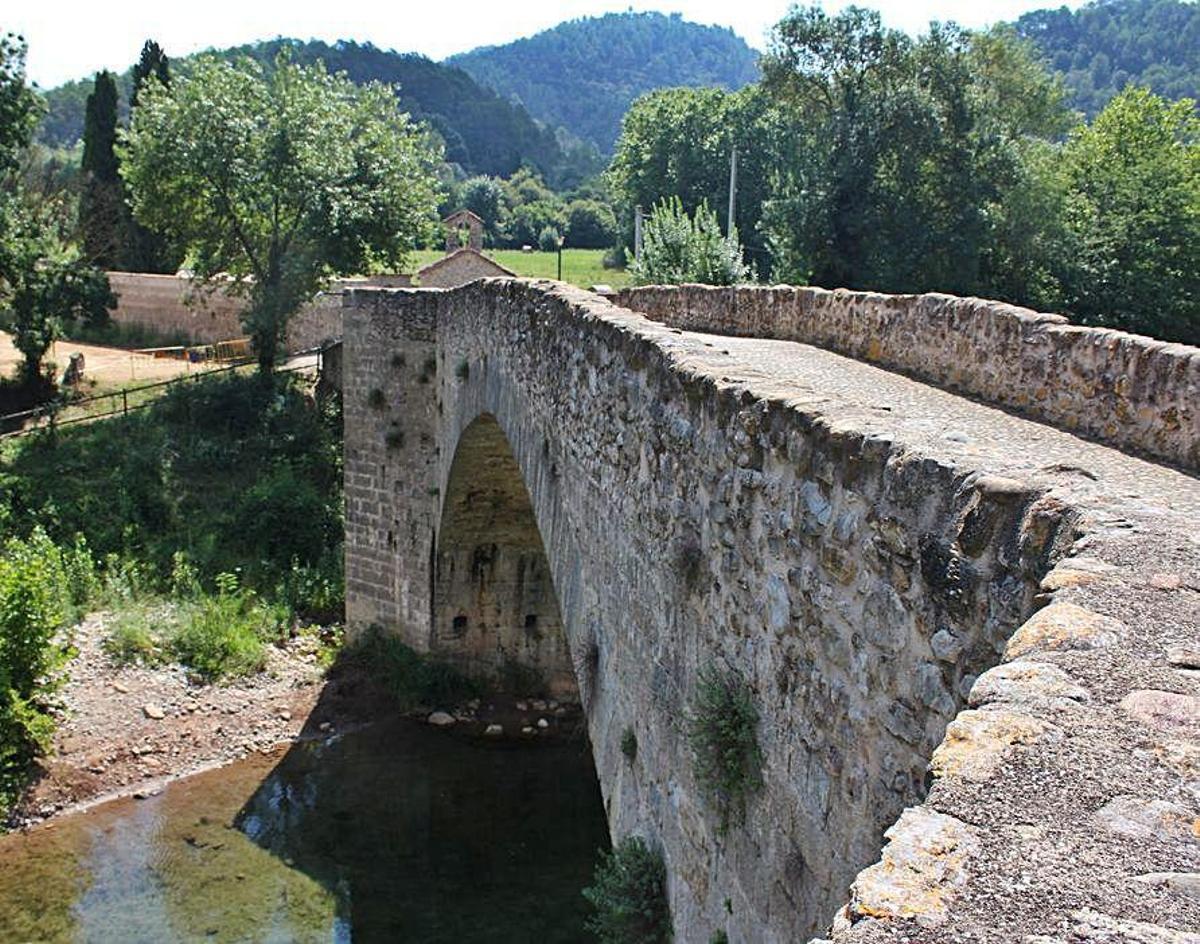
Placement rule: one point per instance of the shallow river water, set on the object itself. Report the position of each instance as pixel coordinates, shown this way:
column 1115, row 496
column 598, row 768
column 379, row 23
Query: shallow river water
column 394, row 833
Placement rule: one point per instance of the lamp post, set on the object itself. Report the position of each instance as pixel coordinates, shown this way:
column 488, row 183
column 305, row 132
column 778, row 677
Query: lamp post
column 561, row 240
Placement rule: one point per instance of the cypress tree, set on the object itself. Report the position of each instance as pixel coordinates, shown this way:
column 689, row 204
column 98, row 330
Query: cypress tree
column 145, row 250
column 100, row 204
column 152, row 62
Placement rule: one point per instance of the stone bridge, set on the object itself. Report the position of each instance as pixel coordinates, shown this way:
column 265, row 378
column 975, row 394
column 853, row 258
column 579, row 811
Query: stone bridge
column 971, row 626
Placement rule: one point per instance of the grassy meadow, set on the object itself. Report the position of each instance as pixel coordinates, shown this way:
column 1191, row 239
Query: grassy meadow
column 582, row 267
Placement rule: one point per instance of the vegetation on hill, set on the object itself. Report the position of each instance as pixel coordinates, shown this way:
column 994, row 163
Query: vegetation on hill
column 484, row 132
column 1104, row 46
column 584, row 74
column 169, row 519
column 946, row 163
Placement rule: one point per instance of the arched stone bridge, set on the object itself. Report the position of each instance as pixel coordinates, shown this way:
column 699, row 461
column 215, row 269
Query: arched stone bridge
column 961, row 624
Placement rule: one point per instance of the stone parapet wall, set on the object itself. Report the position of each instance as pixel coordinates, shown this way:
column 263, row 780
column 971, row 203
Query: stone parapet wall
column 1127, row 390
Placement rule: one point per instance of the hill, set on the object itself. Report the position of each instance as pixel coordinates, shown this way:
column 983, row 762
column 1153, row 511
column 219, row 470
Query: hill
column 1106, row 45
column 584, row 74
column 484, row 132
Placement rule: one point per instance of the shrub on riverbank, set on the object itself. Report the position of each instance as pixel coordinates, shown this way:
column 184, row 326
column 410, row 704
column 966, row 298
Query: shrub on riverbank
column 413, row 679
column 629, row 895
column 41, row 590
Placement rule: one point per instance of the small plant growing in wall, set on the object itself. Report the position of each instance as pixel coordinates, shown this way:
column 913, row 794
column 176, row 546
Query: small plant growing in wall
column 376, row 399
column 723, row 735
column 394, row 438
column 428, row 370
column 463, row 370
column 629, row 744
column 629, row 895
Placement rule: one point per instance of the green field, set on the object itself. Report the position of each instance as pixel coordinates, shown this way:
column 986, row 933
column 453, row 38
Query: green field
column 580, row 266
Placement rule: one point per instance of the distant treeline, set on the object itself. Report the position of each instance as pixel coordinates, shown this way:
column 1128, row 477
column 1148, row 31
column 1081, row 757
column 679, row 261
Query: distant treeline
column 583, row 75
column 484, row 133
column 870, row 160
column 1102, row 47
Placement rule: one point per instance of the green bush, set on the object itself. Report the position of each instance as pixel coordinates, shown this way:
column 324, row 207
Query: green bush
column 723, row 734
column 36, row 602
column 413, row 679
column 210, row 469
column 628, row 893
column 548, row 240
column 223, row 636
column 134, row 639
column 677, row 248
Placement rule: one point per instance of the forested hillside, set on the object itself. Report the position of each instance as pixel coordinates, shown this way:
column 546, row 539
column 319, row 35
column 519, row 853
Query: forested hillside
column 1102, row 47
column 584, row 74
column 484, row 132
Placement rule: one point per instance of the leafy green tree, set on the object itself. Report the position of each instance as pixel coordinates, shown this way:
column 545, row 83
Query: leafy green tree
column 278, row 179
column 146, row 250
column 43, row 283
column 101, row 208
column 152, row 64
column 1134, row 215
column 19, row 109
column 47, row 287
column 677, row 248
column 905, row 153
column 590, row 225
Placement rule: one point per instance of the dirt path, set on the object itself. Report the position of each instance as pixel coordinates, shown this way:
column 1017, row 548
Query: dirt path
column 105, row 366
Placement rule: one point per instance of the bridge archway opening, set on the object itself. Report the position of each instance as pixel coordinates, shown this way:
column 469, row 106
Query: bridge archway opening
column 495, row 612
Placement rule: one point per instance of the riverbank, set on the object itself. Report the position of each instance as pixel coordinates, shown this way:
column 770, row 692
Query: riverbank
column 126, row 730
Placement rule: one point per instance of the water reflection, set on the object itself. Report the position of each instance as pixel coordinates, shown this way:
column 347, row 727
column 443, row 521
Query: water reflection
column 393, row 833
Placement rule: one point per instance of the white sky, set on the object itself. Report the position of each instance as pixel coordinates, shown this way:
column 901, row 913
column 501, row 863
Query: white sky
column 70, row 39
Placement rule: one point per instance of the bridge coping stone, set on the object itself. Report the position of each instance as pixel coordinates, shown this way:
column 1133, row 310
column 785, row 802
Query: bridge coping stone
column 1127, row 390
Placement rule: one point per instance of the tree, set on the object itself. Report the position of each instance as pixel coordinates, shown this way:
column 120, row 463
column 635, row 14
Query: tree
column 906, row 155
column 19, row 109
column 1134, row 215
column 152, row 64
column 101, row 207
column 43, row 283
column 48, row 288
column 590, row 225
column 278, row 179
column 677, row 248
column 146, row 250
column 678, row 142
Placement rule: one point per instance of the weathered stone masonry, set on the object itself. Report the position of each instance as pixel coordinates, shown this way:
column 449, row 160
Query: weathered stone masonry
column 688, row 518
column 1125, row 389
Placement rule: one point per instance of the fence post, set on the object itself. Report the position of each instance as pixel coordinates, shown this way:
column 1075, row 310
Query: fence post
column 125, row 402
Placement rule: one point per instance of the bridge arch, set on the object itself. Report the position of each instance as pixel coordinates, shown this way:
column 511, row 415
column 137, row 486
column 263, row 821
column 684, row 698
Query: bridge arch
column 495, row 609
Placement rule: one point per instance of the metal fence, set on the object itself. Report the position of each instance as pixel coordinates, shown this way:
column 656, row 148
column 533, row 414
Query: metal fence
column 47, row 415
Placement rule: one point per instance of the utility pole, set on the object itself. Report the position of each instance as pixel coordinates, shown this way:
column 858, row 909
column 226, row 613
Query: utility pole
column 732, row 190
column 637, row 232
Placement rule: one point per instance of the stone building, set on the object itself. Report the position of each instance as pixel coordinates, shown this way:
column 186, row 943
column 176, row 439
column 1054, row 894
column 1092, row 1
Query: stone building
column 463, row 229
column 458, row 268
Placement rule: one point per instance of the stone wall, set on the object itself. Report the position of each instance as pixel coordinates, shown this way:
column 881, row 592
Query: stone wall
column 167, row 305
column 1124, row 389
column 858, row 588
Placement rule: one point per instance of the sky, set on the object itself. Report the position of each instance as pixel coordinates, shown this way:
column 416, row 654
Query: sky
column 70, row 40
